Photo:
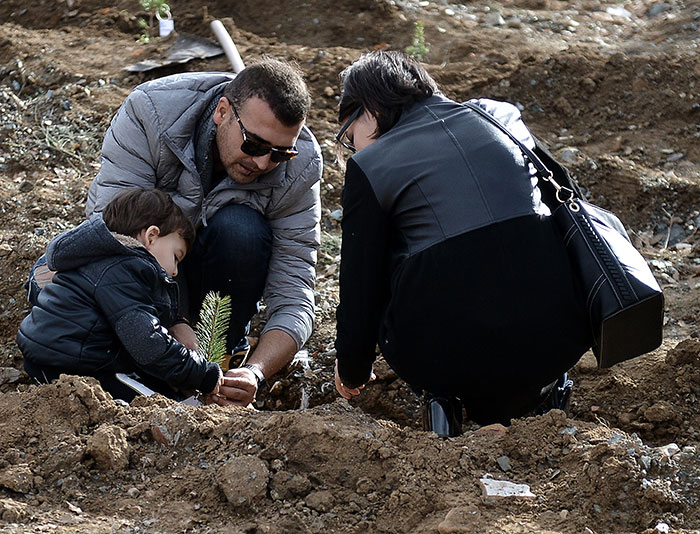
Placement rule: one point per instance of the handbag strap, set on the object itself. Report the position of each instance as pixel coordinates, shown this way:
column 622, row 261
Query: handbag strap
column 562, row 194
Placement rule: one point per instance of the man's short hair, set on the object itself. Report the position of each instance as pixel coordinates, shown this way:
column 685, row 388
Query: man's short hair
column 281, row 85
column 135, row 210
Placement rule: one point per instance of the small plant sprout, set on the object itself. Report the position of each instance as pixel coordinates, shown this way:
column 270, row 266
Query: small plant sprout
column 213, row 325
column 158, row 9
column 418, row 49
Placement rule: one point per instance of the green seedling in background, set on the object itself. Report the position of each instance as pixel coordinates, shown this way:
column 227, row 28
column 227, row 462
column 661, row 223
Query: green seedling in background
column 418, row 49
column 156, row 9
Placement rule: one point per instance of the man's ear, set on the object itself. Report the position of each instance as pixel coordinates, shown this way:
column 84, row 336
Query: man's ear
column 223, row 108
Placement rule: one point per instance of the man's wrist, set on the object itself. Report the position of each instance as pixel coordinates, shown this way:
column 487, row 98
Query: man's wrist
column 259, row 375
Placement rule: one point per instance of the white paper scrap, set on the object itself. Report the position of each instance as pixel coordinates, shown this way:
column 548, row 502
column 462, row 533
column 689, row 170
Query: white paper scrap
column 493, row 490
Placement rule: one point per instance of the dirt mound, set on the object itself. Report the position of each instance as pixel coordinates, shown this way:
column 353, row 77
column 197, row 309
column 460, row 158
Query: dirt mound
column 611, row 88
column 318, row 470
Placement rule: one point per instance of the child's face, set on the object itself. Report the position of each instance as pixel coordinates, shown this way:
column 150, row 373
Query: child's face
column 168, row 250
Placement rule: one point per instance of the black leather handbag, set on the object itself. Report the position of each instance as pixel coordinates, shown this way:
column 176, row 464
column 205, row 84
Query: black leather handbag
column 624, row 303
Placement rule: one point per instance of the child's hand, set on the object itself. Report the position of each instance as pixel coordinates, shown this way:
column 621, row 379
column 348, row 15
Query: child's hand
column 215, row 391
column 185, row 335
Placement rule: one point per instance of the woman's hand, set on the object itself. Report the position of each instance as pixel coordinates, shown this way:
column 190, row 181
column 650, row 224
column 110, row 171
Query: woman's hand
column 343, row 390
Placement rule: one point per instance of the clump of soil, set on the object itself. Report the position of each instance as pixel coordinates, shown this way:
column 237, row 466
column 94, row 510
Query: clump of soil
column 613, row 90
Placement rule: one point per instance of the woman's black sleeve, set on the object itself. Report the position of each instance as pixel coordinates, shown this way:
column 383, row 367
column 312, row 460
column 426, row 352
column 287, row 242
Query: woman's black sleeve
column 363, row 278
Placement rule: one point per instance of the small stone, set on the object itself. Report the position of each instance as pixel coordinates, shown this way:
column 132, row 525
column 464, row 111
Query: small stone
column 460, row 520
column 669, row 450
column 662, row 527
column 133, row 492
column 9, row 375
column 494, row 18
column 657, row 9
column 17, row 478
column 570, row 155
column 321, row 501
column 109, row 448
column 504, row 463
column 660, row 412
column 13, row 511
column 243, row 479
column 161, row 435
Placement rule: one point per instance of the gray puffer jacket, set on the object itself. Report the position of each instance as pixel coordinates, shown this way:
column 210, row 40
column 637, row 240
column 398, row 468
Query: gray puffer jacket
column 152, row 143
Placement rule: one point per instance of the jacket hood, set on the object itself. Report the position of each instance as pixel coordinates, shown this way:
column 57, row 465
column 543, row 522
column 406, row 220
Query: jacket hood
column 88, row 242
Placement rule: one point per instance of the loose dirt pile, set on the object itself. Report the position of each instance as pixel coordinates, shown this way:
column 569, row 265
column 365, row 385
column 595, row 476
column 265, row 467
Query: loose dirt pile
column 612, row 88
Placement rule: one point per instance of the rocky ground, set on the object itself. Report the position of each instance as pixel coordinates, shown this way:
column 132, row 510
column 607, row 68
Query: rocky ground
column 611, row 87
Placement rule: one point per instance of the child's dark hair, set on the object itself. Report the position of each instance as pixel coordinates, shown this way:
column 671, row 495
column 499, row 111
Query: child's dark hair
column 134, row 210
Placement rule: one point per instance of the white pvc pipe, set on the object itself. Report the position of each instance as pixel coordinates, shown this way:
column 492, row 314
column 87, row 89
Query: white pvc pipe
column 227, row 44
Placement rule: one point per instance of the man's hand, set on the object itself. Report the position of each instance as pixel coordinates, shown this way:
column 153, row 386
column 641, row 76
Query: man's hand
column 346, row 392
column 185, row 335
column 238, row 388
column 275, row 350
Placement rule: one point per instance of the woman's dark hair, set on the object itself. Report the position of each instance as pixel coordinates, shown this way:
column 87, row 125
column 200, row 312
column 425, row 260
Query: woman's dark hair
column 385, row 83
column 281, row 85
column 135, row 210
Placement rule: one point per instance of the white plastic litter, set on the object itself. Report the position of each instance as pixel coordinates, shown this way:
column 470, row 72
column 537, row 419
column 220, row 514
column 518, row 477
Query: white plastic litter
column 493, row 490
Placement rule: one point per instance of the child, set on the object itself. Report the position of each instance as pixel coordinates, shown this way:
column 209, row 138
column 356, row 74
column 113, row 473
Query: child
column 109, row 305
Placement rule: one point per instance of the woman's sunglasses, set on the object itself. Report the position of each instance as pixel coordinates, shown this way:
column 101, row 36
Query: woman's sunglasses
column 255, row 148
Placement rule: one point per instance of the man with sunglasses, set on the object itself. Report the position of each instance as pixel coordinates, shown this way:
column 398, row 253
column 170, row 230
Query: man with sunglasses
column 234, row 154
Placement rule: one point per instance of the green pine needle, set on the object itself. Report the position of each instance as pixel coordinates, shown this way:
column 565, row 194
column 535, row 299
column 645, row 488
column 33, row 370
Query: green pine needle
column 213, row 325
column 418, row 49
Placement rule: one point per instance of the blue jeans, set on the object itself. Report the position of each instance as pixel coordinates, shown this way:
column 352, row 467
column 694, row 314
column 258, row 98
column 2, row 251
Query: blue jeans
column 230, row 255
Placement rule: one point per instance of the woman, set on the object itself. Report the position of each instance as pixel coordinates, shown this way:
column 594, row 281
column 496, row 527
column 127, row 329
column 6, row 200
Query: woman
column 449, row 260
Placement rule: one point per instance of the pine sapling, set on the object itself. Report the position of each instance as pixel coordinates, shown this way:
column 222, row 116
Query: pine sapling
column 213, row 325
column 418, row 49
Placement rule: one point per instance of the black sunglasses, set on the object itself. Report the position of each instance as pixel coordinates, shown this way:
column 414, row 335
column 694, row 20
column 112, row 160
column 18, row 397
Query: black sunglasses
column 256, row 148
column 339, row 137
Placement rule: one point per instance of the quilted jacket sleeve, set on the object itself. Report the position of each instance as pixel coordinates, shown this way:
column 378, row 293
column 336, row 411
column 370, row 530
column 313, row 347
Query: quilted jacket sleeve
column 124, row 295
column 130, row 152
column 296, row 236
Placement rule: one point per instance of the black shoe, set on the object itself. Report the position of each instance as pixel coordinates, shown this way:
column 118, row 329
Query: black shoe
column 558, row 398
column 442, row 415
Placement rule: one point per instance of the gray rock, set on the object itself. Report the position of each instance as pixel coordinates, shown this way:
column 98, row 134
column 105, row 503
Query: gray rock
column 657, row 9
column 9, row 375
column 243, row 479
column 494, row 18
column 504, row 463
column 570, row 155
